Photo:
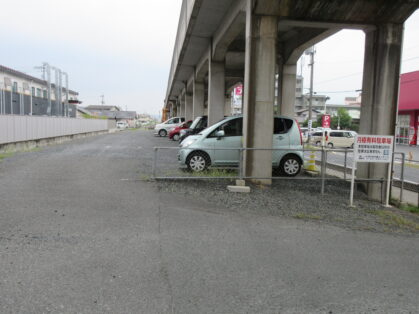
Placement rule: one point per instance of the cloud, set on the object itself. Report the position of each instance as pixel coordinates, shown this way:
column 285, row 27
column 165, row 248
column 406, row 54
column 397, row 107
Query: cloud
column 120, row 48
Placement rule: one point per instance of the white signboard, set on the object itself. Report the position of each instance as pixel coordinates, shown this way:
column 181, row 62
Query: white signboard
column 310, row 124
column 373, row 148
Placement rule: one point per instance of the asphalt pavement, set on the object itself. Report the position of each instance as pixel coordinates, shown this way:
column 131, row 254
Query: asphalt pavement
column 82, row 231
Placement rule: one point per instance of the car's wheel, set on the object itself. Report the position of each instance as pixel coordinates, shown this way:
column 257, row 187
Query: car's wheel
column 290, row 166
column 198, row 162
column 352, row 146
column 330, row 145
column 175, row 137
column 162, row 133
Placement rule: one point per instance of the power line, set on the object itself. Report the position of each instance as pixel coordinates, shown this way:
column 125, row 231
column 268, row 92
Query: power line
column 339, row 91
column 410, row 59
column 339, row 78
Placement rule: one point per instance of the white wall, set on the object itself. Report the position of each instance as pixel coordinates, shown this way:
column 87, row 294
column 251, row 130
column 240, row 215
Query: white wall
column 20, row 82
column 26, row 128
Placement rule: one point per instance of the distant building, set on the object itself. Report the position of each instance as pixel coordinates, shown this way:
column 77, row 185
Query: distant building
column 408, row 118
column 354, row 111
column 23, row 94
column 113, row 113
column 353, row 101
column 101, row 108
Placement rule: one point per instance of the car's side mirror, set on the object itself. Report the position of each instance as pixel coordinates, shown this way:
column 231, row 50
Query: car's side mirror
column 220, row 134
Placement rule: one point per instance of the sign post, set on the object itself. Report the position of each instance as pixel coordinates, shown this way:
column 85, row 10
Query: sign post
column 326, row 119
column 373, row 149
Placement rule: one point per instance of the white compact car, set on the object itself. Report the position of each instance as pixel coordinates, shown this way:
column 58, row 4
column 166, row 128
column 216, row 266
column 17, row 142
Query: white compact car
column 121, row 124
column 163, row 129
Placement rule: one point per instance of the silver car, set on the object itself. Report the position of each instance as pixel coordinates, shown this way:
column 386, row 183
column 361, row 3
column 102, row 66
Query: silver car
column 200, row 151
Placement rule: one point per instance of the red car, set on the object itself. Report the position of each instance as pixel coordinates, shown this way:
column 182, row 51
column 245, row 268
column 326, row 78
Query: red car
column 175, row 133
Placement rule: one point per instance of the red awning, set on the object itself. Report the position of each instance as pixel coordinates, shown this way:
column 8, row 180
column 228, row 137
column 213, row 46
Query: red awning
column 409, row 91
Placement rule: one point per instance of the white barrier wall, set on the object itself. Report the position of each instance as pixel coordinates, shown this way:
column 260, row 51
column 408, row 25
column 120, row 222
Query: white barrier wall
column 27, row 128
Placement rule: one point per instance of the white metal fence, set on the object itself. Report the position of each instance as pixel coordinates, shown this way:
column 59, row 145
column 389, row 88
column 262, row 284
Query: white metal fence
column 26, row 128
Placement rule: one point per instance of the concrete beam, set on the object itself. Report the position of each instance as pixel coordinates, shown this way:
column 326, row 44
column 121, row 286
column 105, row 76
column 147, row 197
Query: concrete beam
column 339, row 12
column 294, row 48
column 233, row 24
column 383, row 49
column 324, row 25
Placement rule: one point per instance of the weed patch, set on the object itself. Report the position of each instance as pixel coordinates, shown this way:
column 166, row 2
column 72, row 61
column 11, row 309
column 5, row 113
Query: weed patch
column 6, row 155
column 394, row 220
column 307, row 216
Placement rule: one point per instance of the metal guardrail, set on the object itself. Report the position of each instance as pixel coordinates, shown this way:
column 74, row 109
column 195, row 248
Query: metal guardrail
column 323, row 162
column 240, row 175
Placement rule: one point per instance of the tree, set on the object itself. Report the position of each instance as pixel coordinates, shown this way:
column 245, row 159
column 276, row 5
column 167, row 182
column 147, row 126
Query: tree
column 342, row 119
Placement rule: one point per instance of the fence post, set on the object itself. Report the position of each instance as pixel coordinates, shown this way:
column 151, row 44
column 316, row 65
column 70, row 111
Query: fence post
column 241, row 172
column 323, row 163
column 402, row 177
column 154, row 163
column 345, row 164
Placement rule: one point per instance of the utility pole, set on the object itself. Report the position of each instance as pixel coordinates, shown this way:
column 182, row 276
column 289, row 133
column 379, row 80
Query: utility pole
column 311, row 51
column 66, row 104
column 103, row 99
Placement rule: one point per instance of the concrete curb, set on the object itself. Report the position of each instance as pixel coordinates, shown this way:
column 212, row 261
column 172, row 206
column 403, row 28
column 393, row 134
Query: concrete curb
column 27, row 145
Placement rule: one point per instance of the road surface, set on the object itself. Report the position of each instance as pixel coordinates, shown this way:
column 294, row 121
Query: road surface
column 79, row 233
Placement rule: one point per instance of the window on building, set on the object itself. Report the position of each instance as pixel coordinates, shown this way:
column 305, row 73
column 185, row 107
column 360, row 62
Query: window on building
column 38, row 92
column 14, row 87
column 33, row 91
column 403, row 129
column 45, row 94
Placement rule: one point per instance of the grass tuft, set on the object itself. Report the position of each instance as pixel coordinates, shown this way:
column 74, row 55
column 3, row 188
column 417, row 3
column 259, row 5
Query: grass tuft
column 307, row 216
column 410, row 208
column 6, row 155
column 394, row 220
column 214, row 173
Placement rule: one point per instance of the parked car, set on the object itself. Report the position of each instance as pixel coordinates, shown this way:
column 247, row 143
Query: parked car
column 335, row 138
column 199, row 124
column 162, row 129
column 121, row 124
column 174, row 133
column 198, row 152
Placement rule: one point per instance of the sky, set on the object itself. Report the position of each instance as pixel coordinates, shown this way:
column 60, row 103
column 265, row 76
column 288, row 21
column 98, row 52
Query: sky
column 339, row 61
column 123, row 49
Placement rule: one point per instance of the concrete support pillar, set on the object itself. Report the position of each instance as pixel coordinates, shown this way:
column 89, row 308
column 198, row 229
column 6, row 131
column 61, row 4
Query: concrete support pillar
column 216, row 92
column 259, row 92
column 289, row 82
column 181, row 112
column 198, row 99
column 177, row 114
column 188, row 107
column 278, row 89
column 171, row 110
column 227, row 106
column 383, row 49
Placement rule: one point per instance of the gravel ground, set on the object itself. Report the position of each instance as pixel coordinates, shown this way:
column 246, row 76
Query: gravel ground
column 300, row 200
